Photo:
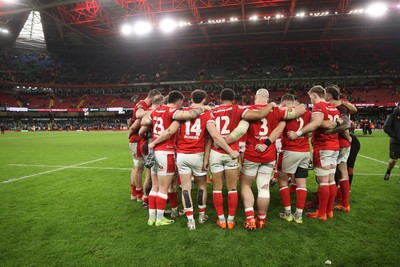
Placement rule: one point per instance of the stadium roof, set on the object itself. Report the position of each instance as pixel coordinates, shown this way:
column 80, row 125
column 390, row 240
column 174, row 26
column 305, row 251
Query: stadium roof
column 96, row 24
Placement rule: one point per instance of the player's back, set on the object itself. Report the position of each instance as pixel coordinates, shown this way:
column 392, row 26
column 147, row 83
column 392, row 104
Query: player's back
column 141, row 104
column 259, row 132
column 321, row 140
column 300, row 144
column 192, row 133
column 162, row 118
column 227, row 118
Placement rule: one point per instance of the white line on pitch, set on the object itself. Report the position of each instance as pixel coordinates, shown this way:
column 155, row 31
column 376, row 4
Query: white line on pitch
column 377, row 160
column 55, row 166
column 55, row 170
column 128, row 169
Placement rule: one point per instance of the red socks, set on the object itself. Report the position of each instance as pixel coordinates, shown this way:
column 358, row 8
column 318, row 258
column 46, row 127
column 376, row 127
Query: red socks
column 232, row 202
column 345, row 189
column 323, row 197
column 133, row 190
column 332, row 196
column 173, row 199
column 301, row 196
column 218, row 200
column 285, row 196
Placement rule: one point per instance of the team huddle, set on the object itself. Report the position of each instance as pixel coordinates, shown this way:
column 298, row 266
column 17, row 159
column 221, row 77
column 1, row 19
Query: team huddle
column 186, row 143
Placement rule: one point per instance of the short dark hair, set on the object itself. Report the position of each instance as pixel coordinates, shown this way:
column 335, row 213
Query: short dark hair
column 198, row 95
column 158, row 99
column 288, row 97
column 334, row 91
column 227, row 94
column 175, row 96
column 319, row 90
column 153, row 93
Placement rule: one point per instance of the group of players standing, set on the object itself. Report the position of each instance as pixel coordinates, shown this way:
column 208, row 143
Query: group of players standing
column 188, row 142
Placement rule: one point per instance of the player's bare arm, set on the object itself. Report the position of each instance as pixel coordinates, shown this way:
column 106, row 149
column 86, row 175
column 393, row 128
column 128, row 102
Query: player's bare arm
column 220, row 141
column 275, row 134
column 253, row 115
column 134, row 127
column 340, row 126
column 143, row 131
column 165, row 135
column 295, row 112
column 349, row 106
column 238, row 132
column 315, row 123
column 146, row 120
column 191, row 114
column 207, row 150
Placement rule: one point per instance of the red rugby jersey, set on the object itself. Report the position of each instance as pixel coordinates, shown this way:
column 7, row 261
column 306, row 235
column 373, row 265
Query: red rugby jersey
column 320, row 140
column 162, row 118
column 141, row 104
column 259, row 131
column 192, row 133
column 227, row 118
column 301, row 144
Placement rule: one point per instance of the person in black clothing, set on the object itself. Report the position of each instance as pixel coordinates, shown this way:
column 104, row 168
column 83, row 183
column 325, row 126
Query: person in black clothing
column 2, row 128
column 392, row 128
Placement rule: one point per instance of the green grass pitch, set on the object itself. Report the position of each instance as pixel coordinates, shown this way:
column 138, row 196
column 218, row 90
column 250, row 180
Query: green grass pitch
column 62, row 213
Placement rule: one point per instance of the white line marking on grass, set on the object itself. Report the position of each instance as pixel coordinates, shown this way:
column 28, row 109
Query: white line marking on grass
column 54, row 166
column 55, row 170
column 129, row 169
column 377, row 160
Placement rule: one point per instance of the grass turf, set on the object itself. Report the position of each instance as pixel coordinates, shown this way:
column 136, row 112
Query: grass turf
column 83, row 216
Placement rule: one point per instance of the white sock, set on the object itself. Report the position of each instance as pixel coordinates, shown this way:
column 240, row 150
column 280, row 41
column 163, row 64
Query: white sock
column 160, row 214
column 231, row 218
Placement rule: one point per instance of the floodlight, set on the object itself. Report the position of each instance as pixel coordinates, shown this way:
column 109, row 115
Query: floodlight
column 5, row 31
column 142, row 28
column 126, row 29
column 254, row 17
column 377, row 10
column 168, row 25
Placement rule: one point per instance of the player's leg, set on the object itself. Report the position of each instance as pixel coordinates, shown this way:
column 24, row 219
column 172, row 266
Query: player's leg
column 217, row 171
column 394, row 155
column 321, row 167
column 138, row 170
column 301, row 175
column 332, row 156
column 132, row 147
column 285, row 167
column 200, row 177
column 147, row 188
column 263, row 198
column 247, row 177
column 354, row 149
column 165, row 162
column 153, row 196
column 231, row 184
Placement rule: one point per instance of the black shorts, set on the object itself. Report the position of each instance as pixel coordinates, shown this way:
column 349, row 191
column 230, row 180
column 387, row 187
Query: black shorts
column 394, row 150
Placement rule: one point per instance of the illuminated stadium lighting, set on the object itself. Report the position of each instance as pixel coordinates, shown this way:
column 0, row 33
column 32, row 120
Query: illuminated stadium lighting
column 142, row 28
column 233, row 19
column 5, row 31
column 126, row 29
column 302, row 14
column 254, row 17
column 168, row 25
column 267, row 18
column 376, row 10
column 278, row 16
